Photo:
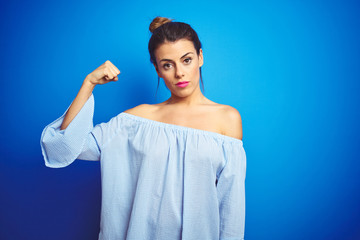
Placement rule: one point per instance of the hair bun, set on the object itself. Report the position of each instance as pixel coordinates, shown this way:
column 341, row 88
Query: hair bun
column 157, row 22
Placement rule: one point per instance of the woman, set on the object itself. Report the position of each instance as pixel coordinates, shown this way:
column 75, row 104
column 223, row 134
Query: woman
column 173, row 170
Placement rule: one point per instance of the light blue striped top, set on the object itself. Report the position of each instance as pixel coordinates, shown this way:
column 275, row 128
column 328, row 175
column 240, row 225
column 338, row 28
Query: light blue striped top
column 159, row 181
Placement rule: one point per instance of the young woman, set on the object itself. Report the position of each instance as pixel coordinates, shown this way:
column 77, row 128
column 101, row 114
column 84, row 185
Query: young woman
column 172, row 170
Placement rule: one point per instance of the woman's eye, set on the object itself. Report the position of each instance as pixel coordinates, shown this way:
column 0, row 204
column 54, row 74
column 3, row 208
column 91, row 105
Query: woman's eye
column 167, row 65
column 187, row 60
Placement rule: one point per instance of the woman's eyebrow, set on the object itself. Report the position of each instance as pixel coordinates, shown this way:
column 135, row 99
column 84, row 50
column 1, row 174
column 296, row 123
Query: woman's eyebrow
column 180, row 58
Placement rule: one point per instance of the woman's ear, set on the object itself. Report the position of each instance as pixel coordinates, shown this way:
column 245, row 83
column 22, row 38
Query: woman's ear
column 201, row 58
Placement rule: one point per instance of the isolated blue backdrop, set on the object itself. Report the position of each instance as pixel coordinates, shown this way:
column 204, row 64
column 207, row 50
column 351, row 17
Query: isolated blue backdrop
column 291, row 68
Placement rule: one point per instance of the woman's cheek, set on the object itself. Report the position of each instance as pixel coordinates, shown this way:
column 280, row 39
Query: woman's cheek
column 195, row 73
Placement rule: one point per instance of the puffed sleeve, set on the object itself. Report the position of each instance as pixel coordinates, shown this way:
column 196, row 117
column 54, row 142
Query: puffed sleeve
column 231, row 193
column 80, row 140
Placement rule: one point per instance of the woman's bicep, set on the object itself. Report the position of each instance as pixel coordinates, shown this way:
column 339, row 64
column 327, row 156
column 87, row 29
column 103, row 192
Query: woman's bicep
column 90, row 150
column 61, row 147
column 231, row 195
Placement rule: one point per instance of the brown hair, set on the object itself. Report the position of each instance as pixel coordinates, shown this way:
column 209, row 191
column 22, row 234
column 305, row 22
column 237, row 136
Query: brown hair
column 164, row 29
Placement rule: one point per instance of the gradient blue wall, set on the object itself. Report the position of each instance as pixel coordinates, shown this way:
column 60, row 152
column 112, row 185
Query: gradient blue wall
column 291, row 68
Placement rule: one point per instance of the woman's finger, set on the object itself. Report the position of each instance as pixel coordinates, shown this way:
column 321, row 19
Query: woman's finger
column 112, row 71
column 108, row 74
column 116, row 69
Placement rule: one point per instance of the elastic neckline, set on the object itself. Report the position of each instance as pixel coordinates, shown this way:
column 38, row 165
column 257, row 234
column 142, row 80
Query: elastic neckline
column 179, row 127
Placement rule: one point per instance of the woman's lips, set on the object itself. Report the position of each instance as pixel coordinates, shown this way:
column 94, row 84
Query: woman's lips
column 182, row 84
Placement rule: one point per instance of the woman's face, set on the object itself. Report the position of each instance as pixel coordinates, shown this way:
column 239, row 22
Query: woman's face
column 179, row 62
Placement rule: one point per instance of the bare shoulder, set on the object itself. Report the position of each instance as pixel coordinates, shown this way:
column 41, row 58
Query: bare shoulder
column 231, row 122
column 142, row 110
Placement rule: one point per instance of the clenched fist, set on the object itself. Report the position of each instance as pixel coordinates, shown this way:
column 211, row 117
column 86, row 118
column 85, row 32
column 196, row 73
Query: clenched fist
column 106, row 72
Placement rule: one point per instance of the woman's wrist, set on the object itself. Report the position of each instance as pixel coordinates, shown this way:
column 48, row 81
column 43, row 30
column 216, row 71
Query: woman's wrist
column 88, row 84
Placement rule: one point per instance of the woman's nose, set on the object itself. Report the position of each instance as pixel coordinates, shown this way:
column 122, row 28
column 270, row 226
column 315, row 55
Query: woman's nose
column 179, row 73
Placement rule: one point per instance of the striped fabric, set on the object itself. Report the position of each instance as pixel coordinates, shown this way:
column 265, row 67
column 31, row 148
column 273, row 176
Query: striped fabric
column 160, row 181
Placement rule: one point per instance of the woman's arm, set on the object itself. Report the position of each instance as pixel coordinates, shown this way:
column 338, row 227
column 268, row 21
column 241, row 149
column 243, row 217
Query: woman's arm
column 232, row 122
column 105, row 73
column 231, row 193
column 73, row 136
column 79, row 101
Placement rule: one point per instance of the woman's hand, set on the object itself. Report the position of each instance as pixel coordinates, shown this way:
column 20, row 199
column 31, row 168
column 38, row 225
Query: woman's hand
column 106, row 72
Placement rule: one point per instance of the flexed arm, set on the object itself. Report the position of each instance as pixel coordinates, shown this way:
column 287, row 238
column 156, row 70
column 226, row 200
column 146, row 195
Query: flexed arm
column 105, row 73
column 73, row 136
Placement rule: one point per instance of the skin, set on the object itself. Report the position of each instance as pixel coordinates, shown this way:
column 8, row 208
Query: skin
column 176, row 62
column 186, row 107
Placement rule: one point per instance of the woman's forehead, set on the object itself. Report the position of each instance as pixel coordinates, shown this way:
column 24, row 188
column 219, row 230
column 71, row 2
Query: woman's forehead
column 174, row 50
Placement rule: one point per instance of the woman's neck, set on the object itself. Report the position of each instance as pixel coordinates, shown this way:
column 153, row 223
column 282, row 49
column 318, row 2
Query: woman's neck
column 196, row 98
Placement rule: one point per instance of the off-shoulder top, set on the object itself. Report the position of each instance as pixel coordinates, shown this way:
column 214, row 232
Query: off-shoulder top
column 159, row 181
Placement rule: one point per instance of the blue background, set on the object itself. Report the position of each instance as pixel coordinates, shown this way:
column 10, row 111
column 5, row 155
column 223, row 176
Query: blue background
column 291, row 68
